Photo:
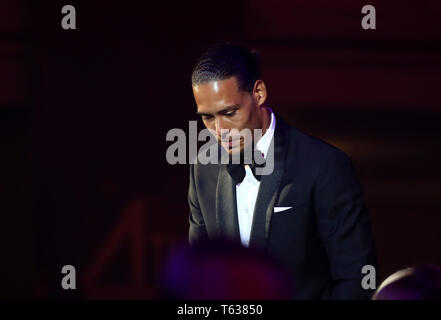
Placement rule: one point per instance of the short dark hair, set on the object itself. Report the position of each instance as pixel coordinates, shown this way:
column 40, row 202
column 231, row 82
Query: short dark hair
column 223, row 61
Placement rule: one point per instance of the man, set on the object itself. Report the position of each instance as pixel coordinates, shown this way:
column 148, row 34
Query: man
column 308, row 212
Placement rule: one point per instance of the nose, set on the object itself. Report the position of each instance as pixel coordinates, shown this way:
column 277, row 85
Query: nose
column 221, row 131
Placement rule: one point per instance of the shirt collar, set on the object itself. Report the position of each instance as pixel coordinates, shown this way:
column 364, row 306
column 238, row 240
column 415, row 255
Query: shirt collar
column 263, row 144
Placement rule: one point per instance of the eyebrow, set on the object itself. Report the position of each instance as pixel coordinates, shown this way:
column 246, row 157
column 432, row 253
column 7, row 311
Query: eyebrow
column 223, row 111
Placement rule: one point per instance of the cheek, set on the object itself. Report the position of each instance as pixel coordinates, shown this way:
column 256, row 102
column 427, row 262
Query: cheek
column 210, row 126
column 245, row 117
column 249, row 118
column 238, row 122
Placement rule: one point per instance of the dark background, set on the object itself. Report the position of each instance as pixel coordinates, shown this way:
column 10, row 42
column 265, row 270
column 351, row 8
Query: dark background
column 84, row 114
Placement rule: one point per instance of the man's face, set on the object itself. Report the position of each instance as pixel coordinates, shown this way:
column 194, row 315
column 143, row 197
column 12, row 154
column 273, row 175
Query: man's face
column 224, row 107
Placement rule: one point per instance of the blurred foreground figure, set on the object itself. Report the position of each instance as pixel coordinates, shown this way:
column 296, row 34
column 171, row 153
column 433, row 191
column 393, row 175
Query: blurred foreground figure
column 420, row 283
column 223, row 270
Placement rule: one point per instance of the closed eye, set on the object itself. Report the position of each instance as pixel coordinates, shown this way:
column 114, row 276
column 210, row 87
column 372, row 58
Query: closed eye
column 231, row 113
column 207, row 117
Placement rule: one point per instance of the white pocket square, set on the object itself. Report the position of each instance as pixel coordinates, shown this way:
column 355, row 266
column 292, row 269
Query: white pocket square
column 280, row 209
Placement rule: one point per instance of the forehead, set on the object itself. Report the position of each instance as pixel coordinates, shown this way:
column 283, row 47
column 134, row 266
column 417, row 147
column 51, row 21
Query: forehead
column 217, row 94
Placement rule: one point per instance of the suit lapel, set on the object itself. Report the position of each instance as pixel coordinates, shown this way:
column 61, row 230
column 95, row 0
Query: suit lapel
column 269, row 188
column 226, row 207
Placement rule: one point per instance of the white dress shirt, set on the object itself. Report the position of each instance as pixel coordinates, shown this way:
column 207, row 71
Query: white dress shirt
column 246, row 191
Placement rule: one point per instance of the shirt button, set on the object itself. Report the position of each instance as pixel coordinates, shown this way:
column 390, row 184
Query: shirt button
column 246, row 210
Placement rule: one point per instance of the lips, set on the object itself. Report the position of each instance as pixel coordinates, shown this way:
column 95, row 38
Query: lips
column 229, row 143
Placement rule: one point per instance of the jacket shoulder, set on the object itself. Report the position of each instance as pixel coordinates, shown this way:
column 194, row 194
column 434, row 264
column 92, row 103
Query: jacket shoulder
column 205, row 171
column 313, row 148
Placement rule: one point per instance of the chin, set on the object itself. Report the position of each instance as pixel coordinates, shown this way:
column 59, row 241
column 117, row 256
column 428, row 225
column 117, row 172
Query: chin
column 235, row 150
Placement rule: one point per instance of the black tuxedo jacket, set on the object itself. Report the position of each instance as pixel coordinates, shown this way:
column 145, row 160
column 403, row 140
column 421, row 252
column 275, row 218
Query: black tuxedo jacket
column 324, row 239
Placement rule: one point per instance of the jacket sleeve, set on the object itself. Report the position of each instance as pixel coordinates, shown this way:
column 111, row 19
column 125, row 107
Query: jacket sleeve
column 344, row 226
column 197, row 230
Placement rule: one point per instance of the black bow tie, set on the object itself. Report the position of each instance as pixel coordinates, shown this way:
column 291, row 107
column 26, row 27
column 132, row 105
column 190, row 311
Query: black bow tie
column 237, row 171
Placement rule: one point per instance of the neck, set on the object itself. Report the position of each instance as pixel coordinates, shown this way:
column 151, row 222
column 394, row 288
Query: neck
column 266, row 119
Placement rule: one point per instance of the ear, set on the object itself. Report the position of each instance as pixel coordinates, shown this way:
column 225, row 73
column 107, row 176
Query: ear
column 259, row 92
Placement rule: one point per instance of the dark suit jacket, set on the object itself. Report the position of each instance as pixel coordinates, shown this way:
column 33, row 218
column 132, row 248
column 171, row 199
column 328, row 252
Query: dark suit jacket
column 324, row 240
